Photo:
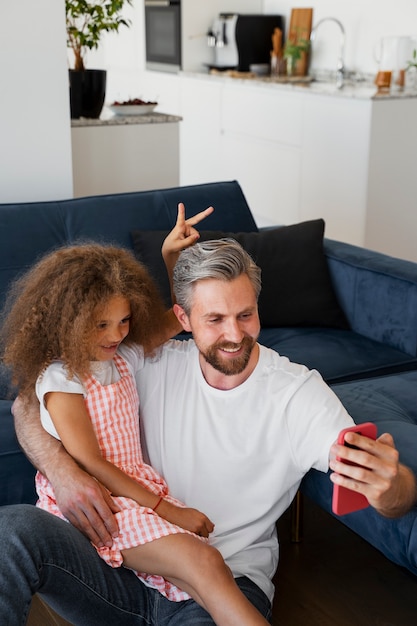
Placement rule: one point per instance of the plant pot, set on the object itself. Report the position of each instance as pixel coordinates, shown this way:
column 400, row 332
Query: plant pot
column 87, row 92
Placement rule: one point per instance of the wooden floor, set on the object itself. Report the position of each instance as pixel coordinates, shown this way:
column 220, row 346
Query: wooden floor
column 331, row 578
column 334, row 578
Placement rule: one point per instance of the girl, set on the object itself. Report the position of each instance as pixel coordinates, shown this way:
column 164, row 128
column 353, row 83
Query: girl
column 79, row 324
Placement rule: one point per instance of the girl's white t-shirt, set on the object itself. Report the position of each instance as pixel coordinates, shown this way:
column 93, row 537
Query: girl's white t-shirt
column 55, row 378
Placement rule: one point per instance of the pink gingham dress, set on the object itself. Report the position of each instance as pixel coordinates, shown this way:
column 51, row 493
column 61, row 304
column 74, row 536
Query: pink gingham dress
column 114, row 413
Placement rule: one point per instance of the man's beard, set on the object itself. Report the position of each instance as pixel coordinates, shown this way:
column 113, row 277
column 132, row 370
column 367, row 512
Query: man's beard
column 231, row 366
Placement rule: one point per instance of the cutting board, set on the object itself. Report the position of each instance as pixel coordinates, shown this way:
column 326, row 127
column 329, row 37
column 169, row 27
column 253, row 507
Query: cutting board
column 301, row 22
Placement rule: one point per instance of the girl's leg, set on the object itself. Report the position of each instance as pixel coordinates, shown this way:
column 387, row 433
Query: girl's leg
column 200, row 570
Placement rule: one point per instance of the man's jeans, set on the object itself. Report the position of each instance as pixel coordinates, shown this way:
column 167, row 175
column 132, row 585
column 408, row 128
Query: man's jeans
column 40, row 553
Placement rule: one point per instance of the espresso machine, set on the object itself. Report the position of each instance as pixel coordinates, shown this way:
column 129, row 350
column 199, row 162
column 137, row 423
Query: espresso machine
column 240, row 40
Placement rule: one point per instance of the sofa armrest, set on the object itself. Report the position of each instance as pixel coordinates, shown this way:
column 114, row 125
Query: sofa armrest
column 377, row 292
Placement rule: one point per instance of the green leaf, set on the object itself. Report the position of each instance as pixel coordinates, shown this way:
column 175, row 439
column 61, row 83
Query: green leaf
column 87, row 21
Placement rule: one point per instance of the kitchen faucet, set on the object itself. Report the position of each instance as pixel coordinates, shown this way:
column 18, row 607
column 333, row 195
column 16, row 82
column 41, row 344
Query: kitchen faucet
column 340, row 70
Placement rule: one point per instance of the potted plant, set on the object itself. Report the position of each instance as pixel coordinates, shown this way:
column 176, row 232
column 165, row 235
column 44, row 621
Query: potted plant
column 293, row 52
column 86, row 22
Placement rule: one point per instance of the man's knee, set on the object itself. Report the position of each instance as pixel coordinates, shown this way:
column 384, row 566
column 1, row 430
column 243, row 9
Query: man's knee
column 17, row 516
column 31, row 532
column 22, row 518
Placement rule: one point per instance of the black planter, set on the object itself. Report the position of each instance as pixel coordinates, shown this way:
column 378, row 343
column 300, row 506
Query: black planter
column 87, row 93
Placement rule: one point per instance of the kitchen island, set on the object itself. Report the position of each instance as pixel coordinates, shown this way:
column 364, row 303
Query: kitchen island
column 122, row 153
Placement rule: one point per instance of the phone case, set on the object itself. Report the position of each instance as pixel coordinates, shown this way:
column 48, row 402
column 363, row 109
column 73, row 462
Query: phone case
column 344, row 500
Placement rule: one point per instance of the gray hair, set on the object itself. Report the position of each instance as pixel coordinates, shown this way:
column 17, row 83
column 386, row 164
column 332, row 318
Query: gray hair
column 220, row 259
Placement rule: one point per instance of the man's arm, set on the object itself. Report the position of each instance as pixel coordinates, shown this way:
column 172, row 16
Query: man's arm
column 82, row 500
column 389, row 486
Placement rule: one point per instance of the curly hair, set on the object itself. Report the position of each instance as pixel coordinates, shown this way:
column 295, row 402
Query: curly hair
column 51, row 311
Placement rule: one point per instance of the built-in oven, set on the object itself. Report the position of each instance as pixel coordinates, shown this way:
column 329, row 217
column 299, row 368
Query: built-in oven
column 163, row 35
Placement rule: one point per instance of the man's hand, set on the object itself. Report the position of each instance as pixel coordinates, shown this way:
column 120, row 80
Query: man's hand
column 82, row 500
column 389, row 486
column 88, row 506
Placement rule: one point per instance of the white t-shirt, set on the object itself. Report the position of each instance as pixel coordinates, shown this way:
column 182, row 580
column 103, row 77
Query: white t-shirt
column 55, row 378
column 237, row 455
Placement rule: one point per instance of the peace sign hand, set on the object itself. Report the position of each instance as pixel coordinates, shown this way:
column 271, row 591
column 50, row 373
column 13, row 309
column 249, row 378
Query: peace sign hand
column 183, row 234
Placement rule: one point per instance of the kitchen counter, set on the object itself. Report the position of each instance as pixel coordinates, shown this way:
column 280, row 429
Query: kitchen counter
column 122, row 153
column 359, row 89
column 107, row 118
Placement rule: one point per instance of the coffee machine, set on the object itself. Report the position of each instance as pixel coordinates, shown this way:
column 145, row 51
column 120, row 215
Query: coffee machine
column 240, row 40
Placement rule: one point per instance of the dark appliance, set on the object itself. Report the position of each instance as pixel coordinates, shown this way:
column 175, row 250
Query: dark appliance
column 163, row 35
column 240, row 40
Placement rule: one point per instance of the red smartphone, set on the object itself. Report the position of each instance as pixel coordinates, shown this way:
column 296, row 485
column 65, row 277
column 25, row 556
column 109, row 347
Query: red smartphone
column 344, row 500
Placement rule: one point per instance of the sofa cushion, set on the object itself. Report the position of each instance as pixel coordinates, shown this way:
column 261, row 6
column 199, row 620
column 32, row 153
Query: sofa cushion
column 387, row 401
column 339, row 355
column 111, row 218
column 296, row 284
column 377, row 292
column 28, row 231
column 17, row 475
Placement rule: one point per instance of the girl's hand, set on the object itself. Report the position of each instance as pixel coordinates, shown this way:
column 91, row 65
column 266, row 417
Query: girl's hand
column 183, row 234
column 187, row 518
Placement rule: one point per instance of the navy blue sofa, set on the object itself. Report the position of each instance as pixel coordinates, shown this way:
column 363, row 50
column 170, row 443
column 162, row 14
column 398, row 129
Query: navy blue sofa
column 369, row 358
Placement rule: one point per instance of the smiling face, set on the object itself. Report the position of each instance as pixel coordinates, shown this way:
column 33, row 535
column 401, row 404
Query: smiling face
column 225, row 325
column 112, row 326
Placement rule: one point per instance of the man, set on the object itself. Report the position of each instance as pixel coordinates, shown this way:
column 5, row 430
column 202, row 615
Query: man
column 231, row 426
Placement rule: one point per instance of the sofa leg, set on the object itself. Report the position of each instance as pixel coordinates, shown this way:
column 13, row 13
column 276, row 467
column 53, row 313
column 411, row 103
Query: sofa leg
column 296, row 514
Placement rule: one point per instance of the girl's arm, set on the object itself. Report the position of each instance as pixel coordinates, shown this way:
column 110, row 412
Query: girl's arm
column 182, row 236
column 74, row 427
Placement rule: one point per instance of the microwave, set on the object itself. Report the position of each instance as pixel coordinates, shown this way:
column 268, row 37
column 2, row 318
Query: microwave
column 163, row 35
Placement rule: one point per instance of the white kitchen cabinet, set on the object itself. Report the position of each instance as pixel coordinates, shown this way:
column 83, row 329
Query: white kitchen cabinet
column 297, row 155
column 200, row 137
column 261, row 141
column 230, row 132
column 311, row 152
column 334, row 178
column 391, row 219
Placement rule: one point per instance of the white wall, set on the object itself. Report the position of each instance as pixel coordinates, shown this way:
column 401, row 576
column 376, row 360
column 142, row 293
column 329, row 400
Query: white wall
column 35, row 144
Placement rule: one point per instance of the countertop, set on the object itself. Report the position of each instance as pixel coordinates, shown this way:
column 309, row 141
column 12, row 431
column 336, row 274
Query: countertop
column 354, row 89
column 108, row 119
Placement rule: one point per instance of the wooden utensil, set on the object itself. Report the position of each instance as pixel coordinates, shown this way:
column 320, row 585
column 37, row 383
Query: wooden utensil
column 277, row 42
